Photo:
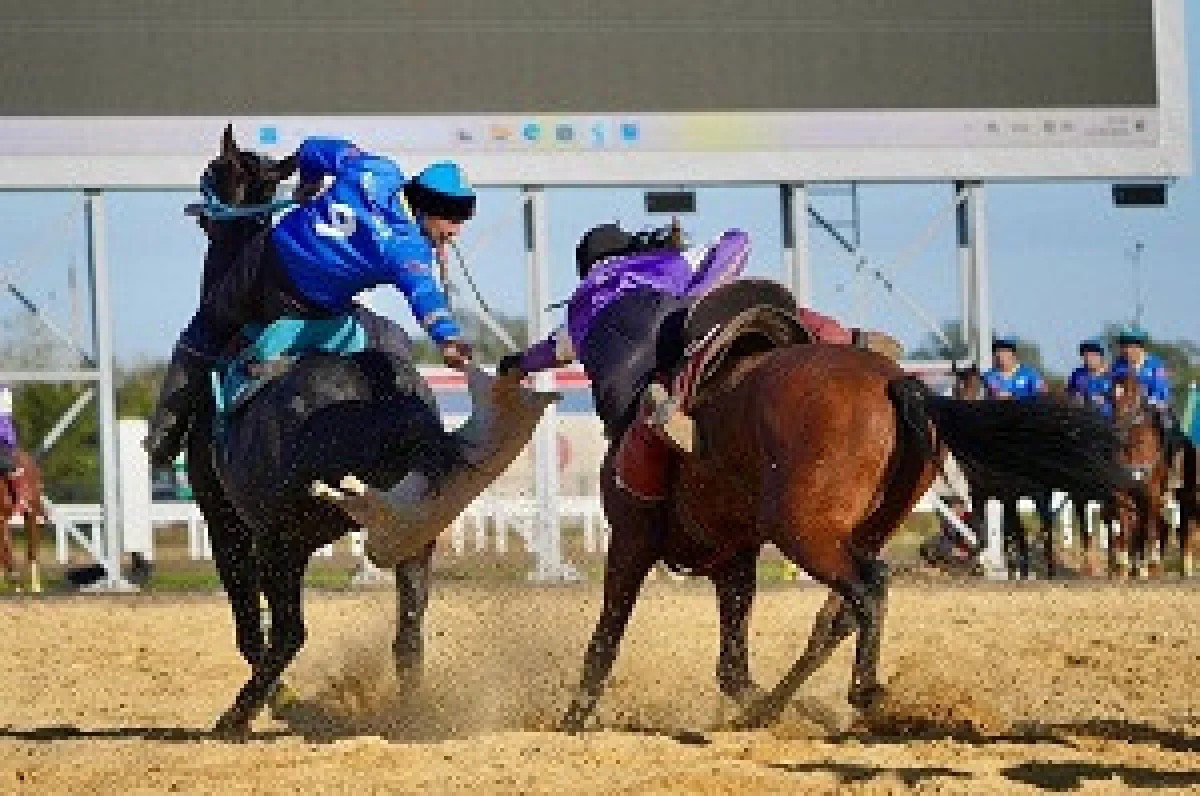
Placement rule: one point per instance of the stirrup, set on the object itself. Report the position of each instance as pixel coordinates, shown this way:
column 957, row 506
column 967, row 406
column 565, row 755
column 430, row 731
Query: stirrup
column 664, row 416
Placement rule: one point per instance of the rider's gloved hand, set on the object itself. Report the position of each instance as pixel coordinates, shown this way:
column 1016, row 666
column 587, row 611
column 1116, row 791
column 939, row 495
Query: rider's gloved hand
column 456, row 354
column 510, row 366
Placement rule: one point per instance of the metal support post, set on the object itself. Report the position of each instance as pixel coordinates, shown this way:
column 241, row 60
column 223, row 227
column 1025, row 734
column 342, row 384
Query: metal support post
column 966, row 273
column 547, row 536
column 793, row 203
column 979, row 259
column 103, row 347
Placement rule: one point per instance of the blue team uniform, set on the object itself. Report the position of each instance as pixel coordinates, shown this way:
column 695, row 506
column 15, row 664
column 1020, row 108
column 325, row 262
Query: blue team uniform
column 1022, row 384
column 359, row 234
column 1094, row 389
column 1151, row 375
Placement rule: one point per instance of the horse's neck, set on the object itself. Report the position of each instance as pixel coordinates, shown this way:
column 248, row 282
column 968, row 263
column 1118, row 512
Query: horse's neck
column 226, row 241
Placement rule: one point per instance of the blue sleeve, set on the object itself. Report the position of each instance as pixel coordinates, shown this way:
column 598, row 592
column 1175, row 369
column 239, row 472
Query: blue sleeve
column 320, row 157
column 1160, row 385
column 1075, row 384
column 411, row 265
column 1037, row 385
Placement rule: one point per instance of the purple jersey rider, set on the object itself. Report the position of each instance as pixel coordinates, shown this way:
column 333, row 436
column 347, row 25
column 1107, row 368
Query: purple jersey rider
column 625, row 320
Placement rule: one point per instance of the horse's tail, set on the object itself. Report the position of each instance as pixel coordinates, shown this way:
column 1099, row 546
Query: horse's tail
column 1016, row 445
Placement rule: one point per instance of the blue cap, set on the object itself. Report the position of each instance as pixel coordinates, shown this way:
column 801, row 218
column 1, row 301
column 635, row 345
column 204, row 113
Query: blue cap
column 442, row 190
column 1005, row 341
column 1091, row 344
column 1132, row 334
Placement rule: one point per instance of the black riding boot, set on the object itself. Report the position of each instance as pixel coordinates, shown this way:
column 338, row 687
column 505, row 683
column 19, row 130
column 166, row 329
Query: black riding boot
column 182, row 391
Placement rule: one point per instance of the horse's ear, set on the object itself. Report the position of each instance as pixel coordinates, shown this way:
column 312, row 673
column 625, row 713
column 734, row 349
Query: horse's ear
column 284, row 168
column 229, row 147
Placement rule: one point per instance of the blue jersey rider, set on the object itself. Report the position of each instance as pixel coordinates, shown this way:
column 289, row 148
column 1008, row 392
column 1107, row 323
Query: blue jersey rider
column 359, row 224
column 1150, row 370
column 1009, row 378
column 1091, row 383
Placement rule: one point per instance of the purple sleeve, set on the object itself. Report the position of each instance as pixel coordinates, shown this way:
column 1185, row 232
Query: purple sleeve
column 540, row 356
column 723, row 264
column 8, row 432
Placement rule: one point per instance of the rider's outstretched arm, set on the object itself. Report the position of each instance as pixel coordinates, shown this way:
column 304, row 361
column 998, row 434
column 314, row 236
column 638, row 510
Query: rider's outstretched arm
column 724, row 262
column 412, row 274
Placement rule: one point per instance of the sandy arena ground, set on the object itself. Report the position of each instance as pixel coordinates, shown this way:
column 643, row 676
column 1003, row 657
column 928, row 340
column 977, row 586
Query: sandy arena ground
column 1015, row 689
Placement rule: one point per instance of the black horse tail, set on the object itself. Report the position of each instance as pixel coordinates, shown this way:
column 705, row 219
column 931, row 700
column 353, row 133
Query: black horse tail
column 1022, row 446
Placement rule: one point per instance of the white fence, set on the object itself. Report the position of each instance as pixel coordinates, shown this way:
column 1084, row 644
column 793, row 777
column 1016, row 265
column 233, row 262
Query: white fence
column 489, row 524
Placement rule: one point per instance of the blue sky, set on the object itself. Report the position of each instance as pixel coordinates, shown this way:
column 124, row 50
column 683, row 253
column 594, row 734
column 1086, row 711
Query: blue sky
column 1059, row 267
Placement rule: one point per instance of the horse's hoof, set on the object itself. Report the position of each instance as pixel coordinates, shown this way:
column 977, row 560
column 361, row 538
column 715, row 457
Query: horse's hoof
column 577, row 715
column 409, row 678
column 760, row 713
column 235, row 729
column 866, row 697
column 745, row 698
column 281, row 698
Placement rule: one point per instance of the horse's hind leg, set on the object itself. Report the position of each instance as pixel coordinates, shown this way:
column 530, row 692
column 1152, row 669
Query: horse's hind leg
column 412, row 598
column 735, row 586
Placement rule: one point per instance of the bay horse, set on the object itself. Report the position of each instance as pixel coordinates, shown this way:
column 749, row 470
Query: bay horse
column 1142, row 534
column 831, row 449
column 327, row 416
column 968, row 385
column 27, row 502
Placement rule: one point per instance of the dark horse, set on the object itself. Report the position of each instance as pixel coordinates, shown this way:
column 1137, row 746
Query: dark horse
column 831, row 448
column 968, row 385
column 323, row 418
column 28, row 503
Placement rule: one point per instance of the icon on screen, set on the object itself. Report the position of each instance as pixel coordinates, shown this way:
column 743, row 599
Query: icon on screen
column 564, row 133
column 500, row 132
column 464, row 136
column 531, row 131
column 630, row 131
column 598, row 133
column 268, row 135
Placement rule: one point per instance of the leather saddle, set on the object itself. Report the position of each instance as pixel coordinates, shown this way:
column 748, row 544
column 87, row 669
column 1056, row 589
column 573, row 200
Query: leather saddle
column 730, row 323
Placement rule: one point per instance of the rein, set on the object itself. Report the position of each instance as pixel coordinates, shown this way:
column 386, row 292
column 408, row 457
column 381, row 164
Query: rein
column 485, row 311
column 217, row 210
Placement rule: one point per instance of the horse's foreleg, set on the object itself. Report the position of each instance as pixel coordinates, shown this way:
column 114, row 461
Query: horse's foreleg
column 1020, row 539
column 283, row 590
column 7, row 563
column 234, row 556
column 412, row 598
column 1083, row 535
column 735, row 586
column 1187, row 527
column 631, row 554
column 1046, row 520
column 33, row 542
